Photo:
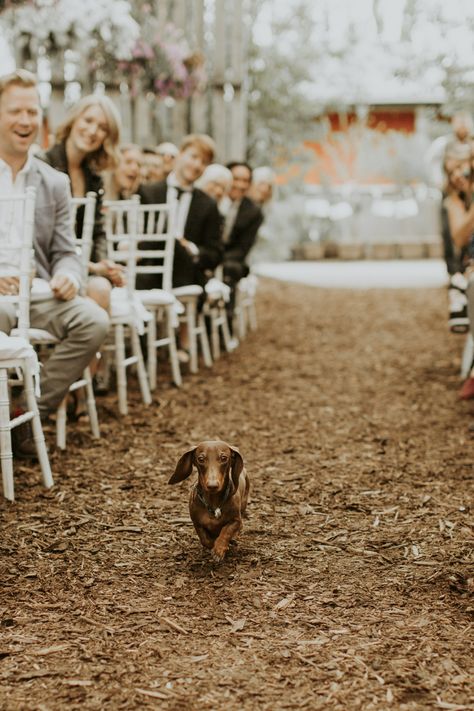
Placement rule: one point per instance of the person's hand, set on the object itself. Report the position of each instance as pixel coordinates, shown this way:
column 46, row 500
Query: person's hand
column 110, row 270
column 63, row 287
column 190, row 247
column 9, row 286
column 116, row 274
column 99, row 268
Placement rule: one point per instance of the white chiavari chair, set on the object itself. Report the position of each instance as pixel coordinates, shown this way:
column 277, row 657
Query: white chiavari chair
column 128, row 315
column 16, row 353
column 156, row 244
column 43, row 338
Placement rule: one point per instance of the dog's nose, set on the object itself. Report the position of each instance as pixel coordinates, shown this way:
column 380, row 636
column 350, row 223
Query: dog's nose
column 212, row 485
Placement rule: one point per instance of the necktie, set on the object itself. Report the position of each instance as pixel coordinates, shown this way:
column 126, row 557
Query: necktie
column 180, row 191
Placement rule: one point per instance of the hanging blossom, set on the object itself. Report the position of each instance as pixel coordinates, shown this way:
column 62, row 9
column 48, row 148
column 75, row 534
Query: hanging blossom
column 73, row 24
column 163, row 63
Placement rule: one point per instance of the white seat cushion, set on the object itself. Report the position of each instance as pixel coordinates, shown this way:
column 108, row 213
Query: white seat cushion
column 188, row 291
column 37, row 335
column 15, row 347
column 123, row 309
column 216, row 289
column 155, row 297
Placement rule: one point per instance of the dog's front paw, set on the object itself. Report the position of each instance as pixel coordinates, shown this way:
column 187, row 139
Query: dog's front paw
column 218, row 552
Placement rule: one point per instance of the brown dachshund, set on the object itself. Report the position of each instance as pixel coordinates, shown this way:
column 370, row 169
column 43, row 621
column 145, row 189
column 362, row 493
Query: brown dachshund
column 219, row 497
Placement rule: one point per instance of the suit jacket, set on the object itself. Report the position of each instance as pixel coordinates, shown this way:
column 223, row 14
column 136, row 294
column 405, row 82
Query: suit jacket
column 203, row 227
column 57, row 158
column 244, row 232
column 53, row 240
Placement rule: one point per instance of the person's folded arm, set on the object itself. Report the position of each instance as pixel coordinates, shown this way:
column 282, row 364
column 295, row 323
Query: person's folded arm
column 62, row 255
column 210, row 250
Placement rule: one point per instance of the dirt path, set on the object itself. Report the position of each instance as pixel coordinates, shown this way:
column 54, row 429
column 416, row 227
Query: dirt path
column 351, row 586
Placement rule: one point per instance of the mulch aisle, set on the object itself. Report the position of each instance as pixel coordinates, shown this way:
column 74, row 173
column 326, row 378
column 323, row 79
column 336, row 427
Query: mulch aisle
column 352, row 584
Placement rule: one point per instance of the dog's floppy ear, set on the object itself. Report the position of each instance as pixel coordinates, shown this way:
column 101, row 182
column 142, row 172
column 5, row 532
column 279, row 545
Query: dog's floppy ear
column 237, row 465
column 184, row 467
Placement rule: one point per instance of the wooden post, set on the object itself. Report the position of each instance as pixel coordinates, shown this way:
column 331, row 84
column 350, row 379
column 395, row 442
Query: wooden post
column 218, row 118
column 198, row 104
column 238, row 134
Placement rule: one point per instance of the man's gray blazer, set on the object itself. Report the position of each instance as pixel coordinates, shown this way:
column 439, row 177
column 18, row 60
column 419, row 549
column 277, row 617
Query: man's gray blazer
column 53, row 239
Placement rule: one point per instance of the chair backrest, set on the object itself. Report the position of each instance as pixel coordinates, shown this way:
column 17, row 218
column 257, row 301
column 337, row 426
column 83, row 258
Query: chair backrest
column 156, row 240
column 21, row 209
column 84, row 240
column 140, row 234
column 121, row 229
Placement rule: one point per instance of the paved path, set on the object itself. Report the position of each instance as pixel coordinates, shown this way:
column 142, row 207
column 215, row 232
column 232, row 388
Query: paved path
column 393, row 274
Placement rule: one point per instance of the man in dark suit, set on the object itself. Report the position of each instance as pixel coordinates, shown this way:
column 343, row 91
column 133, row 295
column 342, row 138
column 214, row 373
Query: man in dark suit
column 242, row 222
column 198, row 248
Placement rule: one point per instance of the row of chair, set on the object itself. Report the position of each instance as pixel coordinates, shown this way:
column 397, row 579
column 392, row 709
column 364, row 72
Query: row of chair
column 135, row 233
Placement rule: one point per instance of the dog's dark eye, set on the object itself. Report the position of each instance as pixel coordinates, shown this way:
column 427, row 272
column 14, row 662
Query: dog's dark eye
column 224, row 458
column 201, row 458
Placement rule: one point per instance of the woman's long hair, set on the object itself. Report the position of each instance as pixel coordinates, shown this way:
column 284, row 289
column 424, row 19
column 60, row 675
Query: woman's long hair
column 106, row 157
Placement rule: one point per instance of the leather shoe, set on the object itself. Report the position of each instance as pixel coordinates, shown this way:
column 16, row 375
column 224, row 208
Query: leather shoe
column 183, row 356
column 467, row 390
column 23, row 444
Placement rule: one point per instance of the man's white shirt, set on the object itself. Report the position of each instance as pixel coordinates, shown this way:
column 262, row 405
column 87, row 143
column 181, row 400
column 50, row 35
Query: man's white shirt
column 11, row 217
column 183, row 203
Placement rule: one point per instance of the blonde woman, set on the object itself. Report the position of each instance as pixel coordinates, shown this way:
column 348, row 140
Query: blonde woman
column 87, row 144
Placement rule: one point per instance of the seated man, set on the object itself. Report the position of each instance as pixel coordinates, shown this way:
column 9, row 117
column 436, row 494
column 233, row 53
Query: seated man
column 79, row 324
column 261, row 189
column 242, row 221
column 198, row 222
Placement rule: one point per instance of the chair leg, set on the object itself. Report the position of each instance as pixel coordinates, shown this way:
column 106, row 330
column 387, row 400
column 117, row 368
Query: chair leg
column 91, row 405
column 252, row 315
column 193, row 345
column 6, row 454
column 141, row 370
column 121, row 369
column 227, row 338
column 38, row 435
column 206, row 351
column 215, row 341
column 151, row 351
column 173, row 351
column 61, row 418
column 242, row 321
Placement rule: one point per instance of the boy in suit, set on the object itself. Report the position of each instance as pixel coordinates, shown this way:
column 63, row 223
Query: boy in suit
column 198, row 247
column 242, row 222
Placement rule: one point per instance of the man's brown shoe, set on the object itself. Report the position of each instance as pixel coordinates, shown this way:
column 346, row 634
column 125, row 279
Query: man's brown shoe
column 23, row 444
column 467, row 390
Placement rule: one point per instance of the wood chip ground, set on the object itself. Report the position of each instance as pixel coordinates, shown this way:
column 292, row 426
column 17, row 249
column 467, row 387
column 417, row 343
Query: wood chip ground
column 352, row 584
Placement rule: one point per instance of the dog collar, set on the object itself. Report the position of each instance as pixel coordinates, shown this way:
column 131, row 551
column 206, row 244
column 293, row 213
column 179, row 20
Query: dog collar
column 217, row 512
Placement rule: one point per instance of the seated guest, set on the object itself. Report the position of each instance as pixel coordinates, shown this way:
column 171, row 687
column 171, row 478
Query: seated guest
column 123, row 182
column 457, row 219
column 87, row 142
column 198, row 222
column 152, row 166
column 261, row 189
column 78, row 323
column 215, row 181
column 168, row 152
column 458, row 206
column 242, row 221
